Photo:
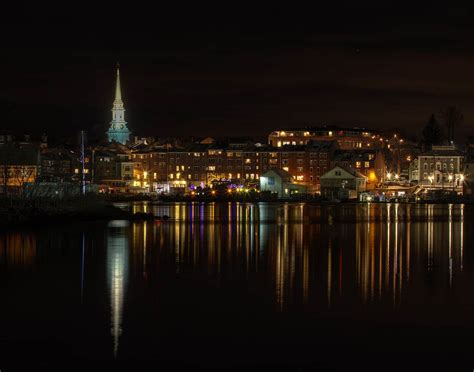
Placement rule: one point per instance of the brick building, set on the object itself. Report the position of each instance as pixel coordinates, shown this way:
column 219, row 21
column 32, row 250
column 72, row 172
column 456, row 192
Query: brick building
column 161, row 168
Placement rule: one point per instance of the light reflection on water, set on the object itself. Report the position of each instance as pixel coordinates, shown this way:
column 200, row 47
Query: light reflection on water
column 117, row 275
column 303, row 265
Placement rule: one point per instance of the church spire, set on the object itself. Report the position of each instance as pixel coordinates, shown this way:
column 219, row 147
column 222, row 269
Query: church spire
column 118, row 130
column 118, row 91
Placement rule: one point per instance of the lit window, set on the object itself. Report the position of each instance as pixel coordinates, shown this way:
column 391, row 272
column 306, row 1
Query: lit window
column 357, row 164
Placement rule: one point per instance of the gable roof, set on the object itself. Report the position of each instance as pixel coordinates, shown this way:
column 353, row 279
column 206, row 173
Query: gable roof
column 350, row 171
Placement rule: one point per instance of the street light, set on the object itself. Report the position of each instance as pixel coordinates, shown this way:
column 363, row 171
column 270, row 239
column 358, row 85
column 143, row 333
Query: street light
column 389, row 175
column 397, row 176
column 431, row 180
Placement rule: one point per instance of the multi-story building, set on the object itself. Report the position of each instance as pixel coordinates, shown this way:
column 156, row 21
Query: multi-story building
column 56, row 165
column 162, row 169
column 18, row 166
column 346, row 138
column 441, row 168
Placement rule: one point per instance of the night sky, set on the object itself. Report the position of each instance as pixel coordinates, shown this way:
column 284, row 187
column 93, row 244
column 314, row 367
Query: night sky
column 235, row 71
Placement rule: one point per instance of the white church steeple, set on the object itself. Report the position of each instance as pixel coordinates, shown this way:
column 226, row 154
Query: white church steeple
column 118, row 130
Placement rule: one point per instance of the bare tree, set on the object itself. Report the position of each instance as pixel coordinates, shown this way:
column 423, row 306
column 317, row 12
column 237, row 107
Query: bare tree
column 453, row 118
column 23, row 174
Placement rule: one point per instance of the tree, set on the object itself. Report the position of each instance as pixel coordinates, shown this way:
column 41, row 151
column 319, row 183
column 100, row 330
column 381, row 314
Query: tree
column 24, row 174
column 432, row 134
column 453, row 118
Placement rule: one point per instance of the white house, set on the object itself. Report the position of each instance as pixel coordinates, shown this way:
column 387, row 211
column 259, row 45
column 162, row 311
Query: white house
column 342, row 183
column 280, row 182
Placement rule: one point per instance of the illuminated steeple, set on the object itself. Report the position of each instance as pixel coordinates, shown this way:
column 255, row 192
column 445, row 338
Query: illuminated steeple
column 118, row 130
column 118, row 91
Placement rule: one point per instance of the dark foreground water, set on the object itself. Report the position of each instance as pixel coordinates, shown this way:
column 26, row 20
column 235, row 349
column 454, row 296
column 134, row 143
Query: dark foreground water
column 242, row 285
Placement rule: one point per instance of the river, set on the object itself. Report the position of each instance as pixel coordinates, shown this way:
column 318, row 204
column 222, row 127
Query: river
column 240, row 285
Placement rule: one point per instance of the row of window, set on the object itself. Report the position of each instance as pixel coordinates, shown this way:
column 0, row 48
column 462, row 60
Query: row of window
column 444, row 166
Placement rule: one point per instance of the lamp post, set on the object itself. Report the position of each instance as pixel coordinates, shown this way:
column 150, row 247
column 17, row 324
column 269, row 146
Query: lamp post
column 461, row 178
column 389, row 176
column 430, row 178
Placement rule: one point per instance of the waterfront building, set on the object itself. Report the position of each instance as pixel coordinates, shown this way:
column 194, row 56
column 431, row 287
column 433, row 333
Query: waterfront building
column 441, row 168
column 158, row 167
column 56, row 165
column 342, row 183
column 118, row 130
column 18, row 166
column 280, row 182
column 370, row 163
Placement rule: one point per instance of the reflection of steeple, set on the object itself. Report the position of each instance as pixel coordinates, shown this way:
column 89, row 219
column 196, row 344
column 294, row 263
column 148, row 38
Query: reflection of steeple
column 117, row 275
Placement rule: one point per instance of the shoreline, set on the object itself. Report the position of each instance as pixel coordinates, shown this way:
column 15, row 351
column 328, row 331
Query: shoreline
column 256, row 200
column 26, row 212
column 30, row 212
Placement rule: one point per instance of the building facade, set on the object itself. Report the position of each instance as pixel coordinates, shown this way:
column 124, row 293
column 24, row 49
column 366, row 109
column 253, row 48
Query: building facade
column 158, row 167
column 441, row 168
column 342, row 183
column 345, row 138
column 280, row 182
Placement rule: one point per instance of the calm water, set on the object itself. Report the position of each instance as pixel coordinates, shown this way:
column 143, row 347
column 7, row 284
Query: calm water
column 229, row 285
